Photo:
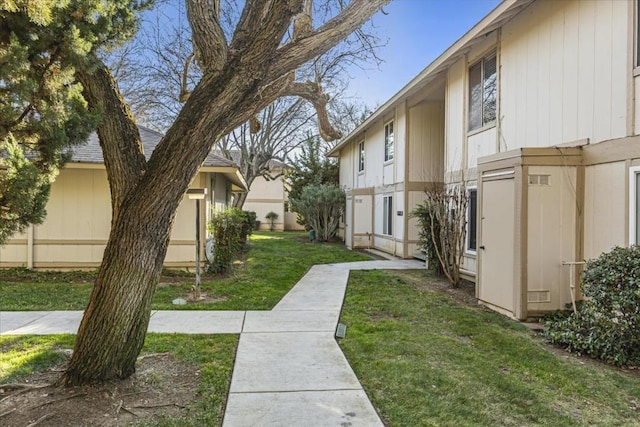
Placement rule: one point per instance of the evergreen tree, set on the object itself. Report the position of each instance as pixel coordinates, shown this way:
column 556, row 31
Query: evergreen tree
column 42, row 110
column 311, row 167
column 240, row 77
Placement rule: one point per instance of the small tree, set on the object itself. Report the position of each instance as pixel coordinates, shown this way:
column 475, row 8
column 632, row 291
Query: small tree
column 272, row 217
column 442, row 219
column 322, row 206
column 311, row 167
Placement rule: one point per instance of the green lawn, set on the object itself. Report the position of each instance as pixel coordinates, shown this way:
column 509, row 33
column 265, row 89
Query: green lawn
column 425, row 359
column 212, row 355
column 274, row 263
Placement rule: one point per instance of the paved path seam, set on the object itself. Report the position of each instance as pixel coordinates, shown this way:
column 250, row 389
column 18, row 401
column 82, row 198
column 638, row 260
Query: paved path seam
column 289, row 369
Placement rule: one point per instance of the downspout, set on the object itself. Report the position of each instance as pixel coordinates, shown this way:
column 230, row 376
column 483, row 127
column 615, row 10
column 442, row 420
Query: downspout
column 30, row 232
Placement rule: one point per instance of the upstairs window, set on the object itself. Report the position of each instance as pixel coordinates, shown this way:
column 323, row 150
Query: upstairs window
column 483, row 91
column 361, row 156
column 388, row 141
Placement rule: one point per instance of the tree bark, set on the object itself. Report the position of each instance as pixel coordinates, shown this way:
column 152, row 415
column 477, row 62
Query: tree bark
column 146, row 195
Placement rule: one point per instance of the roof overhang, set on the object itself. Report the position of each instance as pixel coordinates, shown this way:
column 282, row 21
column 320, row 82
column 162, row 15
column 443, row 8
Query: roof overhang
column 238, row 183
column 491, row 22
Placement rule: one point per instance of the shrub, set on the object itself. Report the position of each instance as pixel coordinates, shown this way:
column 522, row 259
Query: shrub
column 249, row 219
column 322, row 206
column 272, row 217
column 226, row 227
column 442, row 221
column 607, row 324
column 428, row 233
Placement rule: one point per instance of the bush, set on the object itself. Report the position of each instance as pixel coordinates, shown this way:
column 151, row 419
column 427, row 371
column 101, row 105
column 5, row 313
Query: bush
column 227, row 228
column 428, row 235
column 607, row 324
column 249, row 219
column 322, row 206
column 442, row 221
column 272, row 217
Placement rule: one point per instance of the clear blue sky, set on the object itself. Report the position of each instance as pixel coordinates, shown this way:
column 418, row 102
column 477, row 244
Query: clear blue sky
column 418, row 31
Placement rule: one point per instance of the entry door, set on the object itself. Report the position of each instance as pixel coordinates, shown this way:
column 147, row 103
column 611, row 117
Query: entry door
column 348, row 226
column 496, row 250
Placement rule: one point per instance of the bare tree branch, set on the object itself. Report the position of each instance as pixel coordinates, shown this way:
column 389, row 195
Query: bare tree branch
column 184, row 91
column 294, row 54
column 210, row 45
column 313, row 93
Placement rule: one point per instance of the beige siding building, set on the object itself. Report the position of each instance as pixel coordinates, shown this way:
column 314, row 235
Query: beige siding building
column 540, row 117
column 76, row 228
column 271, row 195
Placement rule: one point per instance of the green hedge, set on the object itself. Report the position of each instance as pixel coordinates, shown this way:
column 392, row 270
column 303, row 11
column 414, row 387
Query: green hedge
column 607, row 324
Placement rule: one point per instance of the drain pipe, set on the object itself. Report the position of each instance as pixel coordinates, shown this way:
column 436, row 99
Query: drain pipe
column 572, row 286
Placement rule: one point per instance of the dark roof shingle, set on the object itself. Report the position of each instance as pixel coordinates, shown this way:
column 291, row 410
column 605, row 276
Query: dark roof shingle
column 90, row 152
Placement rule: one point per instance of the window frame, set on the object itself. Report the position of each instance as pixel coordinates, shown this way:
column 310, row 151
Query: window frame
column 389, row 154
column 467, row 247
column 471, row 128
column 634, row 205
column 387, row 215
column 361, row 158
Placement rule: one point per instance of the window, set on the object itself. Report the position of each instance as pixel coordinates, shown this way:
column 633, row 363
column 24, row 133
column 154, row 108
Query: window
column 361, row 156
column 634, row 205
column 472, row 220
column 387, row 215
column 483, row 89
column 388, row 141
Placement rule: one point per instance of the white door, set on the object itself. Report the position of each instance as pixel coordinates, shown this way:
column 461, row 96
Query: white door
column 496, row 250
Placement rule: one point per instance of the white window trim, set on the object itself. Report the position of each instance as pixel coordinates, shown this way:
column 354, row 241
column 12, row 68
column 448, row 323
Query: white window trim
column 384, row 130
column 389, row 219
column 467, row 234
column 633, row 172
column 481, row 60
column 364, row 159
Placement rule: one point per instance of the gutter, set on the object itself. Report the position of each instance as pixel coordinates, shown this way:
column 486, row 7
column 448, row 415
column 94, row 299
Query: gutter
column 495, row 19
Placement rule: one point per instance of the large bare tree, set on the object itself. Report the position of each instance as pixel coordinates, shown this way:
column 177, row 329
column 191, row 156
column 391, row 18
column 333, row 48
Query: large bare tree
column 241, row 75
column 281, row 130
column 157, row 71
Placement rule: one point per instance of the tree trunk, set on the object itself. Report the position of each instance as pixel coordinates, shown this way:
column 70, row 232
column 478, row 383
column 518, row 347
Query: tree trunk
column 238, row 201
column 113, row 328
column 146, row 195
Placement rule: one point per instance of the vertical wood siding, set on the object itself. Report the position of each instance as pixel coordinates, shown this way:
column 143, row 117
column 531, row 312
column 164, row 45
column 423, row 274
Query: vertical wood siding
column 564, row 68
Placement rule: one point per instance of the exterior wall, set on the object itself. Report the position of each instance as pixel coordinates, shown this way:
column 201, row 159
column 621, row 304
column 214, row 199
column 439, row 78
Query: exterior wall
column 418, row 140
column 604, row 208
column 219, row 191
column 551, row 237
column 564, row 68
column 455, row 134
column 426, row 142
column 264, row 197
column 76, row 228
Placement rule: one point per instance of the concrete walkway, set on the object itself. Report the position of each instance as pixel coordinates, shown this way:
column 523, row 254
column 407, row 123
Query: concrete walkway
column 289, row 369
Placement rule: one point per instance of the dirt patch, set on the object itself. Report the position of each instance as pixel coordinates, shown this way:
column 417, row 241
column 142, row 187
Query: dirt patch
column 161, row 387
column 465, row 293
